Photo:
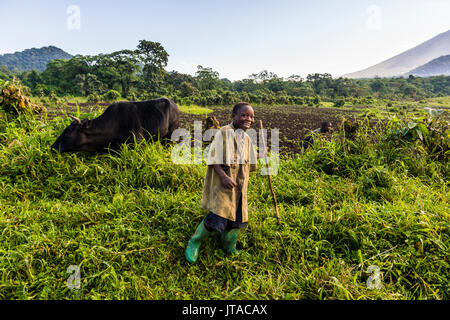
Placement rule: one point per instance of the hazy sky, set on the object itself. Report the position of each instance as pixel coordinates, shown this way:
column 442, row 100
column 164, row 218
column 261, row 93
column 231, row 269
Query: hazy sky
column 235, row 38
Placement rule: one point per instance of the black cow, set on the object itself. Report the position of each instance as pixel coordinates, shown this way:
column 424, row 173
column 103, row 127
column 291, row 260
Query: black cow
column 119, row 123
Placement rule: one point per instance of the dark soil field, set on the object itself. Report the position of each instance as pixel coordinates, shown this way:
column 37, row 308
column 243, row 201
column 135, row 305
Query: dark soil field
column 293, row 122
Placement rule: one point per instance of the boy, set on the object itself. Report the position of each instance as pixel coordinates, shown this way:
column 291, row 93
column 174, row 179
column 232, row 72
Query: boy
column 231, row 158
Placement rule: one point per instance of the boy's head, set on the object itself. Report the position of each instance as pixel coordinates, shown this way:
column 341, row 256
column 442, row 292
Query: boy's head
column 243, row 115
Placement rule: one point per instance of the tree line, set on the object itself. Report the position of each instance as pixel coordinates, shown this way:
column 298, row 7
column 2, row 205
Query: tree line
column 140, row 74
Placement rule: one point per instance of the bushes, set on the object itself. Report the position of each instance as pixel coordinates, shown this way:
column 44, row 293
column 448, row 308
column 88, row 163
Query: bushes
column 431, row 131
column 358, row 149
column 112, row 95
column 93, row 98
column 339, row 103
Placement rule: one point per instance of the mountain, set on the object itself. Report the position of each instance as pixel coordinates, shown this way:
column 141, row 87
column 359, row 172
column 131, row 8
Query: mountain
column 408, row 60
column 29, row 59
column 436, row 67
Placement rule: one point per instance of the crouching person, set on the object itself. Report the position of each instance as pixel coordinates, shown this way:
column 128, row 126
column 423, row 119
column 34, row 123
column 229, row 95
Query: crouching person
column 231, row 158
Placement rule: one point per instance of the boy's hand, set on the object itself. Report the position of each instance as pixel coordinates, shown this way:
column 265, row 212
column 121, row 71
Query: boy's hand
column 227, row 182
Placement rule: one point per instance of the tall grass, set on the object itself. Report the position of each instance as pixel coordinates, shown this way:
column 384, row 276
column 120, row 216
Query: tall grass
column 125, row 217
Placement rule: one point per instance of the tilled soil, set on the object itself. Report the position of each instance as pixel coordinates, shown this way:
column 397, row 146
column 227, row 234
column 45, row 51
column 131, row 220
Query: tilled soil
column 293, row 122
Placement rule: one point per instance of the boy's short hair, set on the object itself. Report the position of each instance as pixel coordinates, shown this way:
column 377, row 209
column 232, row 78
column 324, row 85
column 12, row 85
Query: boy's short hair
column 238, row 106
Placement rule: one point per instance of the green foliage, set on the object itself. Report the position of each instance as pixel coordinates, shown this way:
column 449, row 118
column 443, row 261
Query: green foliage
column 111, row 95
column 154, row 58
column 431, row 130
column 30, row 59
column 93, row 98
column 142, row 72
column 339, row 103
column 207, row 78
column 187, row 89
column 125, row 217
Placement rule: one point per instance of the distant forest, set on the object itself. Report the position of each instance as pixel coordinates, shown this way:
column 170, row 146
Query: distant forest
column 32, row 58
column 140, row 74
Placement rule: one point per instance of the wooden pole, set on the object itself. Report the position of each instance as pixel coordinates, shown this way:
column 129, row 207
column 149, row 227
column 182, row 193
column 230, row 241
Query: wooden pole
column 274, row 198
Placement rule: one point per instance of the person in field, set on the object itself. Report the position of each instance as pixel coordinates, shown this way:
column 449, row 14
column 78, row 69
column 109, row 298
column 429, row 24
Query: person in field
column 230, row 159
column 325, row 127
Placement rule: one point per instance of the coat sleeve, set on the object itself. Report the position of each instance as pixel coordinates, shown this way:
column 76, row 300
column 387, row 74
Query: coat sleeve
column 221, row 149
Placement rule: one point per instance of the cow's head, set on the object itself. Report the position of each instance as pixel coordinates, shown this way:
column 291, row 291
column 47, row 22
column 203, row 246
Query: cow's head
column 75, row 137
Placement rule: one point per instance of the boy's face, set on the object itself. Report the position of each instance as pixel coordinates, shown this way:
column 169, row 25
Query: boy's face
column 244, row 118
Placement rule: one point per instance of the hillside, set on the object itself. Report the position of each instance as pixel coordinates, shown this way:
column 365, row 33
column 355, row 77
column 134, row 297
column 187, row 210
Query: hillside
column 34, row 58
column 408, row 60
column 439, row 66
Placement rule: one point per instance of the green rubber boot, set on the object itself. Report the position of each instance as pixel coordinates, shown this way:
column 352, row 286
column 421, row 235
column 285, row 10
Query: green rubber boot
column 229, row 239
column 195, row 241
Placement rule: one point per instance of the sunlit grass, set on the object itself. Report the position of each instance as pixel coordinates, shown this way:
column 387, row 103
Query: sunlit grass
column 194, row 109
column 440, row 101
column 125, row 217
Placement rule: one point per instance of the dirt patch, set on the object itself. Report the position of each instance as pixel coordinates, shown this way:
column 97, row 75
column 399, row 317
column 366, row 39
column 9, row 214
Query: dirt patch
column 293, row 122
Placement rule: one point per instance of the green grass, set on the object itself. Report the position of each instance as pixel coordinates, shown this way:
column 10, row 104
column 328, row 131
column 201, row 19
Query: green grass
column 439, row 102
column 326, row 104
column 125, row 218
column 194, row 109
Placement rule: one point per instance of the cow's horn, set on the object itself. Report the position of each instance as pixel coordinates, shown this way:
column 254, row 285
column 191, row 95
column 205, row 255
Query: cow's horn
column 74, row 118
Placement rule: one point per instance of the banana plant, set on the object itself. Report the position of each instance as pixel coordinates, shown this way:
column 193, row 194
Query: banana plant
column 431, row 129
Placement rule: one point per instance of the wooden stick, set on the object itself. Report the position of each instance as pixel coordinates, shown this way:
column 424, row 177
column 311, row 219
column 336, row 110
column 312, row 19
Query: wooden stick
column 268, row 174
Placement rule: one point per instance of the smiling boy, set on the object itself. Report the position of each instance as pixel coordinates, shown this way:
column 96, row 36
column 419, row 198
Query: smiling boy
column 231, row 158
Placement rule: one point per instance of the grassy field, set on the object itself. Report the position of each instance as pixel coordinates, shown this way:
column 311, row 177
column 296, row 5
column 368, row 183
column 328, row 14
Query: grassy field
column 124, row 218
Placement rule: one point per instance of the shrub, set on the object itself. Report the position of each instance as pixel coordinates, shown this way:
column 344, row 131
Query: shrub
column 339, row 103
column 431, row 130
column 132, row 97
column 93, row 98
column 112, row 95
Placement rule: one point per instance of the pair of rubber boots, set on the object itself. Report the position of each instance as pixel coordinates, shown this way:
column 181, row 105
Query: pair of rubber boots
column 229, row 239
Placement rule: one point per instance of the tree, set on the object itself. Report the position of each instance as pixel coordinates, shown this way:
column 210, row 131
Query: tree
column 378, row 85
column 320, row 82
column 176, row 78
column 275, row 84
column 207, row 78
column 93, row 85
column 31, row 78
column 61, row 74
column 126, row 64
column 154, row 58
column 80, row 80
column 187, row 89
